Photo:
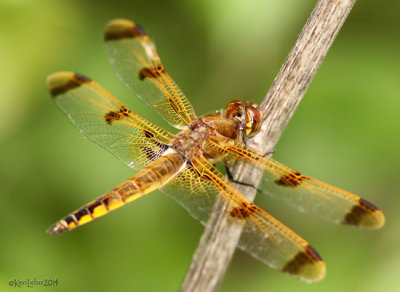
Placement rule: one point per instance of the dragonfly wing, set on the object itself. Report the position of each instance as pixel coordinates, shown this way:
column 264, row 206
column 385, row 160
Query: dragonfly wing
column 318, row 198
column 263, row 237
column 105, row 120
column 137, row 64
column 309, row 195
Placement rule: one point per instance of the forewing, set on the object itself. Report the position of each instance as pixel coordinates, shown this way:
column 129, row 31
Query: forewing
column 264, row 237
column 105, row 120
column 307, row 194
column 136, row 62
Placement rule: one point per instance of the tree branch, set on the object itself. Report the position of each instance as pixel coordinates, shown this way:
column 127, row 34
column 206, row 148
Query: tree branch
column 221, row 236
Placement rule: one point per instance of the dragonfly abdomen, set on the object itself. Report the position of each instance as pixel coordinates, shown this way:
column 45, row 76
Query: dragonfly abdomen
column 150, row 178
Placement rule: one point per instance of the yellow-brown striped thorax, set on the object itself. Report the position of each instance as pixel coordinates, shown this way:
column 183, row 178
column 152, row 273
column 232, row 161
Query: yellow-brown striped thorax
column 248, row 114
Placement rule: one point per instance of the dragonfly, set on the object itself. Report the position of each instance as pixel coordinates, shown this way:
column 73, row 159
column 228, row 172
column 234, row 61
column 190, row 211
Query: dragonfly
column 183, row 165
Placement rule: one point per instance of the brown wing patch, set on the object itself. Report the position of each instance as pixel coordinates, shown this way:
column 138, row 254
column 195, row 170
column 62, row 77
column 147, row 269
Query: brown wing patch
column 244, row 211
column 365, row 214
column 148, row 134
column 138, row 65
column 116, row 116
column 307, row 194
column 152, row 154
column 62, row 82
column 291, row 179
column 306, row 264
column 148, row 72
column 121, row 28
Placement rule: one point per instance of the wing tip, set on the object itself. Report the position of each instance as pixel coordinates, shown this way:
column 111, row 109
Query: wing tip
column 61, row 82
column 313, row 273
column 365, row 215
column 122, row 28
column 307, row 265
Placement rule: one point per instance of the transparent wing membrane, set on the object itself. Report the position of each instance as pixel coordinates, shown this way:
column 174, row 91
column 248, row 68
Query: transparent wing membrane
column 105, row 120
column 307, row 194
column 263, row 237
column 136, row 62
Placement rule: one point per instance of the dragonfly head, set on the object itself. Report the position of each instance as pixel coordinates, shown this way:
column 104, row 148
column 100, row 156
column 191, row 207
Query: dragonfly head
column 248, row 114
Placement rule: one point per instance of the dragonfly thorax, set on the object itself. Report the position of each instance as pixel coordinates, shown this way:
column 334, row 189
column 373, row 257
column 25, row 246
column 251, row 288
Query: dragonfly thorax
column 191, row 142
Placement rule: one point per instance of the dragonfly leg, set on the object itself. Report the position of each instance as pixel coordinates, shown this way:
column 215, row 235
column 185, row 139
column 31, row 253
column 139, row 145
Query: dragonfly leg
column 231, row 179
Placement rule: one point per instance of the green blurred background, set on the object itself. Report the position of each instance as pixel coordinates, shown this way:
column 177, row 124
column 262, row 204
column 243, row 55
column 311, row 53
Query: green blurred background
column 345, row 132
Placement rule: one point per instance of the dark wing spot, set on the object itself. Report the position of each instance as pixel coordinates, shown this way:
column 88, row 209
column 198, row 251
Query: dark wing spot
column 356, row 214
column 81, row 78
column 153, row 155
column 291, row 179
column 244, row 211
column 239, row 213
column 124, row 111
column 148, row 134
column 116, row 116
column 148, row 72
column 139, row 31
column 368, row 205
column 305, row 257
column 62, row 82
column 253, row 208
column 145, row 72
column 112, row 116
column 150, row 153
column 162, row 146
column 122, row 28
column 64, row 88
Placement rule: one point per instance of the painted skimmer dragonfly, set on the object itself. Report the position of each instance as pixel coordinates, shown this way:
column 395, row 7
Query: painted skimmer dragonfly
column 183, row 165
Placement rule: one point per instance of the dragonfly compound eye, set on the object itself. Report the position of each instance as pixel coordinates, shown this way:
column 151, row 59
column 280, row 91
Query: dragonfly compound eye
column 253, row 120
column 236, row 109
